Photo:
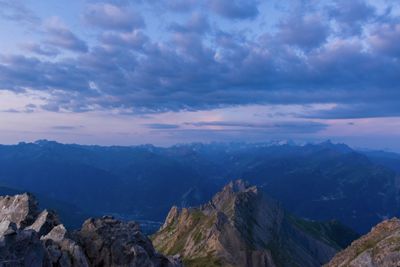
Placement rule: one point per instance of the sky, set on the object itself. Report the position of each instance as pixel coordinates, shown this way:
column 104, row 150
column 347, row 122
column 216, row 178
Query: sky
column 176, row 71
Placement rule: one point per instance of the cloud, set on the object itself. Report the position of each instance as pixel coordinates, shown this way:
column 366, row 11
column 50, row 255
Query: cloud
column 41, row 50
column 351, row 16
column 289, row 126
column 235, row 9
column 161, row 126
column 180, row 5
column 113, row 17
column 385, row 39
column 201, row 63
column 196, row 24
column 27, row 109
column 130, row 40
column 358, row 110
column 60, row 36
column 18, row 12
column 66, row 127
column 304, row 31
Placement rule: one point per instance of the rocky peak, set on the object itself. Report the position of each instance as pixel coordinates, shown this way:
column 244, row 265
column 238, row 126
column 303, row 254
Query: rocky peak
column 231, row 195
column 110, row 242
column 45, row 222
column 237, row 186
column 380, row 247
column 36, row 239
column 241, row 226
column 19, row 209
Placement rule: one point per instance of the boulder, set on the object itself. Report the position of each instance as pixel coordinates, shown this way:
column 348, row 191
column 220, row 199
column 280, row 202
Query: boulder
column 63, row 251
column 22, row 248
column 109, row 242
column 19, row 209
column 45, row 222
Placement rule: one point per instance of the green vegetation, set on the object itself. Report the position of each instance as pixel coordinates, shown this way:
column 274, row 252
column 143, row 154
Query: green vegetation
column 331, row 232
column 197, row 237
column 209, row 261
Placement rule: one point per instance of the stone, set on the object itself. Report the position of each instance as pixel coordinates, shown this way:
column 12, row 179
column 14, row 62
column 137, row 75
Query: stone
column 380, row 247
column 19, row 209
column 110, row 242
column 45, row 222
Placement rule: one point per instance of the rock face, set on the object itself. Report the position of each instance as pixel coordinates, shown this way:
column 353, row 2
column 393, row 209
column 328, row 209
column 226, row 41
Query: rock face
column 31, row 238
column 109, row 242
column 242, row 227
column 19, row 209
column 379, row 248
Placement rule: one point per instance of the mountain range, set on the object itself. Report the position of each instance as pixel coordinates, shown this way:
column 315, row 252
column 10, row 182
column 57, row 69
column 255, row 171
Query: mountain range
column 243, row 227
column 239, row 227
column 322, row 181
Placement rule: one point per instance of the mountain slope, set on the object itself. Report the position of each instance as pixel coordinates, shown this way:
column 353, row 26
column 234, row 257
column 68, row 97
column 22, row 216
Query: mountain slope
column 380, row 247
column 240, row 226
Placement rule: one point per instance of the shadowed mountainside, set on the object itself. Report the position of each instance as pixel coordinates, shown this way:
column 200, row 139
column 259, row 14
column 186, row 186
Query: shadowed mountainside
column 240, row 226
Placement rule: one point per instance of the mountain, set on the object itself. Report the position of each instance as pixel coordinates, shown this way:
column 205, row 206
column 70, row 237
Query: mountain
column 322, row 181
column 241, row 226
column 33, row 238
column 380, row 247
column 388, row 159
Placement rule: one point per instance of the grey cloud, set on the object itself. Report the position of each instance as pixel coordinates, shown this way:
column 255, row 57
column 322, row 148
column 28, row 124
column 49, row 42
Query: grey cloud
column 131, row 40
column 385, row 39
column 41, row 50
column 60, row 36
column 66, row 127
column 133, row 73
column 235, row 9
column 161, row 126
column 291, row 126
column 114, row 17
column 351, row 15
column 358, row 110
column 304, row 31
column 17, row 11
column 197, row 23
column 181, row 5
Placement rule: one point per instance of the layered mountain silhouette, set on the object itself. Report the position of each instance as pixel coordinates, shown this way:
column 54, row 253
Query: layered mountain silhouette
column 323, row 181
column 241, row 226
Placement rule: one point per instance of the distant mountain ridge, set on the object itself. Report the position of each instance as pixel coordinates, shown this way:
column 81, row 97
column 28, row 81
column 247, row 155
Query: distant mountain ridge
column 317, row 181
column 240, row 226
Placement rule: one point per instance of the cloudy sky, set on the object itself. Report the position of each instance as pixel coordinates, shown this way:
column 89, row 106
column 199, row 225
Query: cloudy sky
column 171, row 71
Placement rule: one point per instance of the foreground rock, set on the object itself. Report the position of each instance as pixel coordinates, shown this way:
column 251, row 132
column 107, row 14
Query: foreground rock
column 19, row 209
column 242, row 227
column 31, row 238
column 109, row 242
column 380, row 247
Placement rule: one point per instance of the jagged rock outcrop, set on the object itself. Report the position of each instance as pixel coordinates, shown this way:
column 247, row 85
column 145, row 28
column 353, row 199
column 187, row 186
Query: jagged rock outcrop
column 242, row 227
column 109, row 242
column 31, row 238
column 45, row 222
column 63, row 250
column 19, row 209
column 21, row 248
column 379, row 248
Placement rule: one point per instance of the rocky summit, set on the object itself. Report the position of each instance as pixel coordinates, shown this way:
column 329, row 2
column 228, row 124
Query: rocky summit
column 242, row 227
column 31, row 238
column 379, row 248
